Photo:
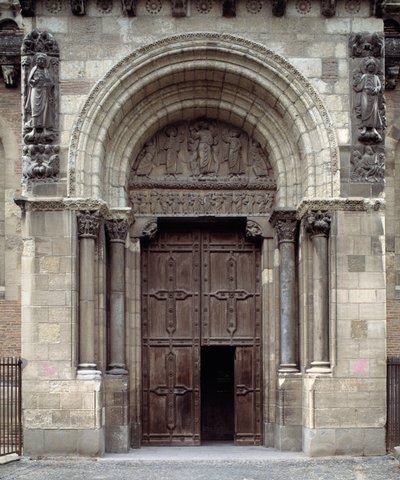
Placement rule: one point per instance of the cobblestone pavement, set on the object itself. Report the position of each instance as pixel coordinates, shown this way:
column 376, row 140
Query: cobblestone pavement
column 298, row 468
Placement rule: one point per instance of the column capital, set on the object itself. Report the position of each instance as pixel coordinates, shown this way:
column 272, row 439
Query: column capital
column 285, row 223
column 117, row 229
column 88, row 224
column 318, row 222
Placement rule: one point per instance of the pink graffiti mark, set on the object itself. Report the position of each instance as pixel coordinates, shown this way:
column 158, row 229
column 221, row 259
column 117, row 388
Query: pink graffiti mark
column 359, row 366
column 47, row 369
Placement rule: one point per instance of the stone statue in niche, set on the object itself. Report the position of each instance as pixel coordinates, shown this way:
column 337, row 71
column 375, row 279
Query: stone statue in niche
column 368, row 166
column 369, row 102
column 233, row 151
column 40, row 102
column 202, row 143
column 172, row 146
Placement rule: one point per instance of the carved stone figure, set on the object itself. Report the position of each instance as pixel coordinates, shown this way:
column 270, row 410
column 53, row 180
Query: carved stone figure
column 368, row 102
column 172, row 145
column 78, row 7
column 10, row 75
column 40, row 162
column 253, row 229
column 40, row 102
column 365, row 44
column 179, row 8
column 368, row 167
column 258, row 160
column 88, row 224
column 233, row 151
column 150, row 230
column 202, row 142
column 146, row 158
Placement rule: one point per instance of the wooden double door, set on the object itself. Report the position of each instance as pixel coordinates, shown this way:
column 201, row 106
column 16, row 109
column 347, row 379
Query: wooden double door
column 201, row 330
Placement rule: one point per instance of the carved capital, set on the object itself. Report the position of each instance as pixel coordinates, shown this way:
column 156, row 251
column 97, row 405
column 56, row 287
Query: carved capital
column 285, row 224
column 318, row 223
column 28, row 8
column 78, row 7
column 253, row 229
column 117, row 229
column 88, row 224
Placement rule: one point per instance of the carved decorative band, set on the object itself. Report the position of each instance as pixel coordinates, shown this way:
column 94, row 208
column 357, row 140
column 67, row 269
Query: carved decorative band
column 339, row 204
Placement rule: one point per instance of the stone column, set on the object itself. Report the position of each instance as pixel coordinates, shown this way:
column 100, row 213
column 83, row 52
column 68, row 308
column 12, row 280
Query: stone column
column 317, row 224
column 285, row 224
column 88, row 229
column 117, row 230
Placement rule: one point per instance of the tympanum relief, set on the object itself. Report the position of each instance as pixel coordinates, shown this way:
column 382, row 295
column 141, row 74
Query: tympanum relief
column 201, row 167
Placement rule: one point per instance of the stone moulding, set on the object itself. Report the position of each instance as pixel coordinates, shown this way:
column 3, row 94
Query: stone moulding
column 339, row 204
column 251, row 56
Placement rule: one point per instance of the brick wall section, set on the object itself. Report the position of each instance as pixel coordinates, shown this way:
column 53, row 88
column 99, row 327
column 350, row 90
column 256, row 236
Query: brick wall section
column 10, row 328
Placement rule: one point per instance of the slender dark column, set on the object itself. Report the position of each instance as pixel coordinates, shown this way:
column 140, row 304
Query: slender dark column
column 117, row 230
column 88, row 229
column 317, row 224
column 285, row 224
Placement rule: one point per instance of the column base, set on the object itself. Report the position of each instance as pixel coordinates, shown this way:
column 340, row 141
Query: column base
column 288, row 368
column 88, row 371
column 320, row 367
column 117, row 369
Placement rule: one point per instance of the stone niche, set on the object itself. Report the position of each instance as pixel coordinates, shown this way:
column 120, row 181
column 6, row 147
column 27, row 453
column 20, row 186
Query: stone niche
column 201, row 167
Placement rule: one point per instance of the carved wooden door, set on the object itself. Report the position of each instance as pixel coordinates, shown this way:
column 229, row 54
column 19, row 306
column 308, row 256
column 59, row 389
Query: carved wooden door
column 199, row 288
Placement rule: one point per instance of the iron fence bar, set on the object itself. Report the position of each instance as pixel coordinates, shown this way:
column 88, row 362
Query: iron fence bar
column 10, row 406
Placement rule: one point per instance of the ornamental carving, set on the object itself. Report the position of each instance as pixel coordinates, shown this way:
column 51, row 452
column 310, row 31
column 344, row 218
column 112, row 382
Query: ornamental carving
column 318, row 223
column 40, row 65
column 285, row 224
column 150, row 230
column 201, row 167
column 117, row 229
column 367, row 164
column 366, row 44
column 253, row 230
column 88, row 224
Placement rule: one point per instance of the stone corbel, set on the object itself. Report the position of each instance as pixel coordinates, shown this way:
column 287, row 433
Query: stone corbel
column 129, row 7
column 328, row 8
column 78, row 7
column 279, row 7
column 28, row 8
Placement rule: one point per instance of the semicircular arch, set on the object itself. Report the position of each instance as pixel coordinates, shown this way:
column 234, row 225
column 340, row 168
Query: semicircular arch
column 218, row 76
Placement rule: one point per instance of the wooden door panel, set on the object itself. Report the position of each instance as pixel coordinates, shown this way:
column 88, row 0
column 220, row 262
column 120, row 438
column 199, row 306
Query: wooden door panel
column 170, row 396
column 247, row 396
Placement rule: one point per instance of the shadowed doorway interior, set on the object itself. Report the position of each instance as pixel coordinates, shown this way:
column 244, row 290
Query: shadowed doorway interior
column 217, row 393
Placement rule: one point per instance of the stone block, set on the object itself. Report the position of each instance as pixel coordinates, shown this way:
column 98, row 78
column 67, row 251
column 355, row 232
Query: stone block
column 356, row 263
column 288, row 438
column 319, row 442
column 33, row 442
column 91, row 442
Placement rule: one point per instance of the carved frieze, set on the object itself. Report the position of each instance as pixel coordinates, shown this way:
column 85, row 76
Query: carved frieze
column 367, row 164
column 318, row 222
column 40, row 73
column 88, row 224
column 201, row 167
column 117, row 229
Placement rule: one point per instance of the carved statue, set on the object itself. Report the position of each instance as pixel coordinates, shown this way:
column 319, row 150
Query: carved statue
column 233, row 151
column 258, row 159
column 172, row 145
column 368, row 167
column 40, row 161
column 146, row 158
column 202, row 141
column 40, row 101
column 367, row 106
column 365, row 44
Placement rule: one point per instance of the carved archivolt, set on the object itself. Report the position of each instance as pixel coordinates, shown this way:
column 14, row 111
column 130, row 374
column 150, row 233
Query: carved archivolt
column 186, row 160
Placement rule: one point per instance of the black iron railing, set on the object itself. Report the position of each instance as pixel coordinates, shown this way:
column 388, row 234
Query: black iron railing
column 10, row 406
